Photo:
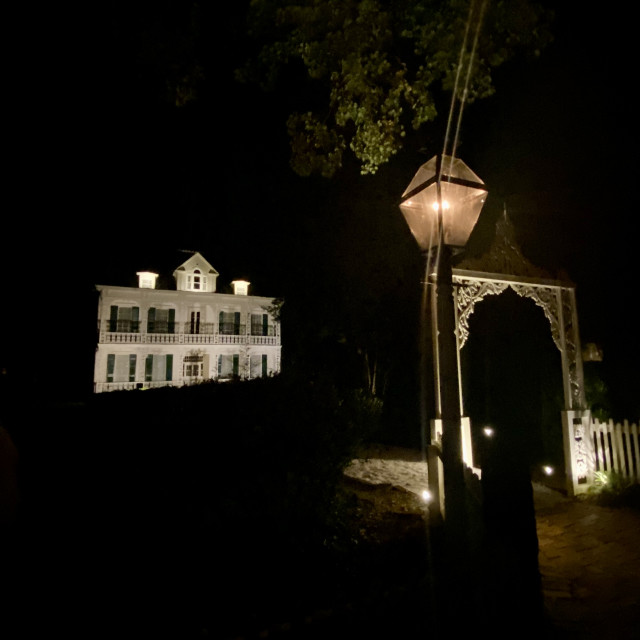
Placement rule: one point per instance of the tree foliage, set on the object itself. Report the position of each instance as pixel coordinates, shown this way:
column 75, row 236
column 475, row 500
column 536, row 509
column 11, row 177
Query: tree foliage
column 379, row 65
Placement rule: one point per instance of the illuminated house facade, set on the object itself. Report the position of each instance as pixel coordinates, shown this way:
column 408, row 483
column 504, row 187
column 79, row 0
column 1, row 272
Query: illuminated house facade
column 149, row 337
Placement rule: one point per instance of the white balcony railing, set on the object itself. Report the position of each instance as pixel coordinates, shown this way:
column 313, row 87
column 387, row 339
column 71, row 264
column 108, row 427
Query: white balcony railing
column 188, row 335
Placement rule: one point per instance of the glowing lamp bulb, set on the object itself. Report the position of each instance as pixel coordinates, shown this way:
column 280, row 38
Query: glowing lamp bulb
column 426, row 496
column 445, row 205
column 548, row 470
column 488, row 431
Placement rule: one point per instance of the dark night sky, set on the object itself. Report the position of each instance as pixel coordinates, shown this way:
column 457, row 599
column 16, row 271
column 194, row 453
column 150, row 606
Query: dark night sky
column 106, row 181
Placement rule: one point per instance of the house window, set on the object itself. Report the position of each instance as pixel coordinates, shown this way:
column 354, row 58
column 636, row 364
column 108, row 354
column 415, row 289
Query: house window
column 124, row 319
column 259, row 324
column 229, row 323
column 196, row 281
column 258, row 365
column 194, row 324
column 228, row 366
column 193, row 367
column 121, row 367
column 161, row 320
column 158, row 368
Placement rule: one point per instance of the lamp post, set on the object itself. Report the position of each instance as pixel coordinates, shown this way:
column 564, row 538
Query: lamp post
column 441, row 205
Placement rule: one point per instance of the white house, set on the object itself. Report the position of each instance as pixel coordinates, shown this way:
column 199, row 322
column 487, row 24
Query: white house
column 150, row 337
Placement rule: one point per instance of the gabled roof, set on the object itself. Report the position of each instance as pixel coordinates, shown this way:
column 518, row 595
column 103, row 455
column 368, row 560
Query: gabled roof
column 196, row 261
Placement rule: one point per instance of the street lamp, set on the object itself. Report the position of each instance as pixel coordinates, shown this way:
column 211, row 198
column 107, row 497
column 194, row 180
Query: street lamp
column 441, row 205
column 443, row 202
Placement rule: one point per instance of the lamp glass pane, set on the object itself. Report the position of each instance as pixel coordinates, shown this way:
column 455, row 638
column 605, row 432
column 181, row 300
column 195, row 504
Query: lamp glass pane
column 461, row 204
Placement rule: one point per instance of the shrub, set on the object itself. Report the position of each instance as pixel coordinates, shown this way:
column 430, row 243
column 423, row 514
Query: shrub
column 612, row 489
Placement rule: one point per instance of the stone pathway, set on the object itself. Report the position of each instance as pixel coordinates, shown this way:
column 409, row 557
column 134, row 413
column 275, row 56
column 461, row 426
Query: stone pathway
column 590, row 564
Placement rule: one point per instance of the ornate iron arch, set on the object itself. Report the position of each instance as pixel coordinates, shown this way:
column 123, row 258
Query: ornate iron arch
column 504, row 267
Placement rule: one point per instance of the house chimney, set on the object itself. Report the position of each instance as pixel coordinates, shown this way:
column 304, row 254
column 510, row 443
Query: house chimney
column 146, row 279
column 240, row 287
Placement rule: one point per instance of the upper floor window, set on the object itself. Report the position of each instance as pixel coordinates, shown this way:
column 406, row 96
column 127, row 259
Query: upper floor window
column 229, row 323
column 161, row 320
column 124, row 319
column 260, row 325
column 196, row 281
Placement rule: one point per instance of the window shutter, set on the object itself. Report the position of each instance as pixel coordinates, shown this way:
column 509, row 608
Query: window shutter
column 148, row 369
column 264, row 365
column 236, row 362
column 113, row 318
column 219, row 365
column 151, row 319
column 111, row 365
column 132, row 367
column 236, row 323
column 135, row 319
column 265, row 324
column 169, row 375
column 172, row 320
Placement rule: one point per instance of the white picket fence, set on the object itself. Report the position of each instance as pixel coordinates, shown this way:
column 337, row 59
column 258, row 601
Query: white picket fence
column 616, row 448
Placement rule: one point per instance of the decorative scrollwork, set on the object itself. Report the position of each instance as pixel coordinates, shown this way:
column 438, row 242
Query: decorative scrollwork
column 547, row 300
column 572, row 349
column 467, row 296
column 581, row 449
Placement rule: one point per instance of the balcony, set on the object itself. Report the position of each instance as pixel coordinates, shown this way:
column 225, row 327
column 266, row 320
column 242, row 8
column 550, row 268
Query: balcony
column 199, row 332
column 103, row 387
column 120, row 331
column 128, row 332
column 263, row 335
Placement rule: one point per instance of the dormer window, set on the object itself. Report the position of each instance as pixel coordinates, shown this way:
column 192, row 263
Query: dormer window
column 196, row 274
column 196, row 281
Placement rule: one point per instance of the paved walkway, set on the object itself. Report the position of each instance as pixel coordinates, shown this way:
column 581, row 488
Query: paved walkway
column 590, row 564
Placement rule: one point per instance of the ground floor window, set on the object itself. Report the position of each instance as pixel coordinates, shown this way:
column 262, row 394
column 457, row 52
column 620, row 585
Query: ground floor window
column 258, row 366
column 158, row 368
column 193, row 367
column 228, row 366
column 121, row 367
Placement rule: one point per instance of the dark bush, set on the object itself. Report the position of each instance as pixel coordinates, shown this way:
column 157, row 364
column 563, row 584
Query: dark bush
column 156, row 499
column 258, row 461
